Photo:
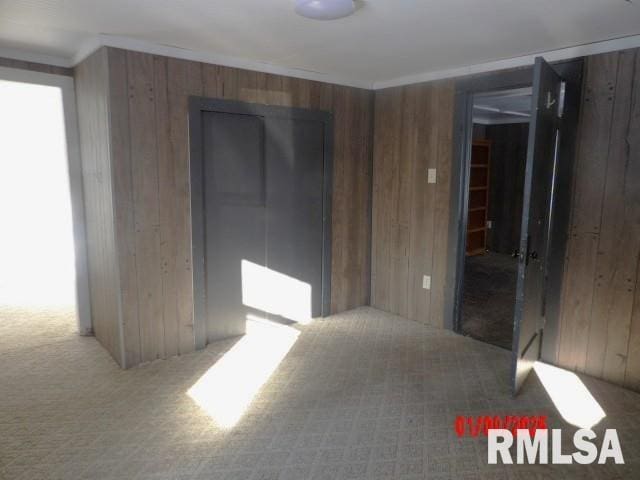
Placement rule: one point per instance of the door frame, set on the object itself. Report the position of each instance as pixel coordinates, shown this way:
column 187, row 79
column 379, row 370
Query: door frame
column 74, row 166
column 198, row 106
column 466, row 88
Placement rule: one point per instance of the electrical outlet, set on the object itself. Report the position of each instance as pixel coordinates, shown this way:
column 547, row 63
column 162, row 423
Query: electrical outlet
column 426, row 282
column 431, row 175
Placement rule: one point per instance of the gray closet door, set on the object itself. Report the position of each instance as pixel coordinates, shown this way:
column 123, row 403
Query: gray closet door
column 295, row 160
column 234, row 202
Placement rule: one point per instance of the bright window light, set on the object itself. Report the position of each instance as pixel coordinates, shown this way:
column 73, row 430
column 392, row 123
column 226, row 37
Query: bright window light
column 36, row 246
column 227, row 389
column 570, row 396
column 276, row 293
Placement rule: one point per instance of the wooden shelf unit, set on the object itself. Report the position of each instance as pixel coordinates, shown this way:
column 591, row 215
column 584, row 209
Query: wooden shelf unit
column 478, row 197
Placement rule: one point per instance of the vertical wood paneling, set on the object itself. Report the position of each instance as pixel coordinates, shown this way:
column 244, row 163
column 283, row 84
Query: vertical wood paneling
column 404, row 151
column 351, row 195
column 593, row 143
column 599, row 318
column 212, row 82
column 360, row 239
column 168, row 215
column 445, row 94
column 124, row 204
column 576, row 300
column 288, row 89
column 604, row 262
column 247, row 87
column 413, row 132
column 261, row 88
column 275, row 91
column 422, row 203
column 595, row 132
column 618, row 244
column 625, row 152
column 386, row 134
column 632, row 373
column 321, row 98
column 184, row 79
column 144, row 161
column 300, row 92
column 92, row 94
column 339, row 218
column 229, row 78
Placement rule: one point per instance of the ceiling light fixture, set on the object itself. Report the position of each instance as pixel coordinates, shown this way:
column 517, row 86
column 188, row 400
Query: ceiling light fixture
column 325, row 9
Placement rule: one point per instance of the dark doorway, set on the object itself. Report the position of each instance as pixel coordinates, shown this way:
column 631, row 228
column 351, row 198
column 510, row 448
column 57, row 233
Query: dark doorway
column 261, row 179
column 496, row 180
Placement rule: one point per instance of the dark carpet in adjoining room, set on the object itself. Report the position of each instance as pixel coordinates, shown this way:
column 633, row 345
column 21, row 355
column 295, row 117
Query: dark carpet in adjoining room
column 489, row 294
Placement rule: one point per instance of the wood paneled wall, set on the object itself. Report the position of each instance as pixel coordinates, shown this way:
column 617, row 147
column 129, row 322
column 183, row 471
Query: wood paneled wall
column 413, row 132
column 600, row 319
column 35, row 67
column 92, row 98
column 150, row 166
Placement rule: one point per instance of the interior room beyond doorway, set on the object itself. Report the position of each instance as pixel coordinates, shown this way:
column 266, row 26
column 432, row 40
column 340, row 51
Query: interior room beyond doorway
column 496, row 179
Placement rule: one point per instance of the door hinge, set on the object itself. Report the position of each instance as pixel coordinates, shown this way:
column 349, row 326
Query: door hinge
column 550, row 101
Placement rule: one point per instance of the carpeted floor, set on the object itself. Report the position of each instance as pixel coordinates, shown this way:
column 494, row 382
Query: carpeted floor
column 24, row 328
column 363, row 394
column 489, row 294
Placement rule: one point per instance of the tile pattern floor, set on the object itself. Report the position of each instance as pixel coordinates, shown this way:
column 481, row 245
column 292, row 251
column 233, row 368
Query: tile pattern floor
column 360, row 395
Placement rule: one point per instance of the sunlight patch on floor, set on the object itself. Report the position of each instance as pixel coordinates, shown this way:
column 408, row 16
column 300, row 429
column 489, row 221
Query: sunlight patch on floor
column 570, row 396
column 227, row 389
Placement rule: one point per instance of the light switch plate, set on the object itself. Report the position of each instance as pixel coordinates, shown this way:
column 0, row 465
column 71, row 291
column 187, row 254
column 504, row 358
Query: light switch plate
column 426, row 282
column 489, row 224
column 431, row 175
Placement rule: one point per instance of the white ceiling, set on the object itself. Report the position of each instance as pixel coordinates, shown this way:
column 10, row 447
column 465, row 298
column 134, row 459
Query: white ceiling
column 382, row 41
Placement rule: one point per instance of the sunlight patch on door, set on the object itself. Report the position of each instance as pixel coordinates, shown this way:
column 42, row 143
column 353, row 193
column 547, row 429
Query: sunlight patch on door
column 227, row 389
column 276, row 293
column 570, row 396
